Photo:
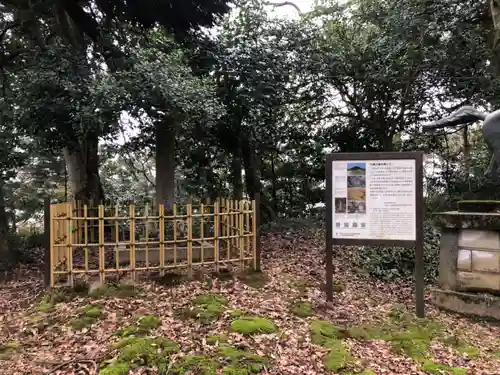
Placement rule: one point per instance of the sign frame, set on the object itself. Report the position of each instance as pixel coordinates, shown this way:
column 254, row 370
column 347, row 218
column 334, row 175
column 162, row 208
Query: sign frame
column 418, row 243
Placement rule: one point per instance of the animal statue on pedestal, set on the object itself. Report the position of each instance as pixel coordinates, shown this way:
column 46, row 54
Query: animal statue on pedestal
column 490, row 130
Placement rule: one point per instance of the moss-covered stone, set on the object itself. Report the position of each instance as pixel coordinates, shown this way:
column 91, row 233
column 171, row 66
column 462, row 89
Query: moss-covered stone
column 89, row 315
column 302, row 309
column 252, row 325
column 214, row 339
column 439, row 369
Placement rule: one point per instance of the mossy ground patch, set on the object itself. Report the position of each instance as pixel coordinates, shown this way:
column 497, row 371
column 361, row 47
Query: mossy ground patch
column 253, row 325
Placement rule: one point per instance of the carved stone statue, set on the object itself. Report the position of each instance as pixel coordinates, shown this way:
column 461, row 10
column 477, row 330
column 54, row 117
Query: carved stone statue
column 491, row 132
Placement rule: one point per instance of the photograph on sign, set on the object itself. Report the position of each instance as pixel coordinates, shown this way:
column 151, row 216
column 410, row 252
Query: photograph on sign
column 374, row 199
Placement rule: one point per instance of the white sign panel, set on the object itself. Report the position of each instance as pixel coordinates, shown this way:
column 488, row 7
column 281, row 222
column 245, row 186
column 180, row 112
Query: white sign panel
column 374, row 199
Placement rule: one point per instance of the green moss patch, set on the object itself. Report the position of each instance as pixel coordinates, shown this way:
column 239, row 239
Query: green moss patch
column 240, row 362
column 327, row 335
column 253, row 325
column 323, row 332
column 206, row 308
column 439, row 369
column 237, row 313
column 338, row 357
column 144, row 325
column 88, row 316
column 141, row 351
column 254, row 279
column 123, row 290
column 214, row 339
column 195, row 364
column 302, row 309
column 7, row 349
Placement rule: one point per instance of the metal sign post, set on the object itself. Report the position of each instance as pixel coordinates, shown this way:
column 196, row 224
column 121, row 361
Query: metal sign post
column 376, row 199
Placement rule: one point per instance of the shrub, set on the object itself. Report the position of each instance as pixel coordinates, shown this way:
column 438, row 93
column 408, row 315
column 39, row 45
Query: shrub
column 398, row 262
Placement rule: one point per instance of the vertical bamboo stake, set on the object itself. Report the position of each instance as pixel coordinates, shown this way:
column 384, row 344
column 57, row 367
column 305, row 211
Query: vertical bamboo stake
column 132, row 240
column 254, row 236
column 246, row 228
column 117, row 240
column 86, row 241
column 92, row 222
column 241, row 238
column 216, row 235
column 146, row 232
column 100, row 231
column 69, row 248
column 189, row 220
column 161, row 209
column 227, row 230
column 51, row 244
column 202, row 232
column 174, row 207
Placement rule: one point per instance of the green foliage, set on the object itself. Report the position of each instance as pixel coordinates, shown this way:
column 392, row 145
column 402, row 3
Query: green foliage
column 398, row 262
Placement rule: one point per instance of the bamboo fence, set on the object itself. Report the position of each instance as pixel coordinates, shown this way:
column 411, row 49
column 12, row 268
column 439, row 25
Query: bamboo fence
column 92, row 241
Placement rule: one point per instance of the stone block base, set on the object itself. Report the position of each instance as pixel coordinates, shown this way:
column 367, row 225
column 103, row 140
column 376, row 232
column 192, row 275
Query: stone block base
column 472, row 304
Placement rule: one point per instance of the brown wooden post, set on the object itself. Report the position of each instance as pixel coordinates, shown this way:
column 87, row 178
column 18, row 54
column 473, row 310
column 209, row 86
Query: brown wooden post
column 47, row 242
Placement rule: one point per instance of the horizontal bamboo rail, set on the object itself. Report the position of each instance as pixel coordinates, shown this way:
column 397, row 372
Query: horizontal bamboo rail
column 87, row 240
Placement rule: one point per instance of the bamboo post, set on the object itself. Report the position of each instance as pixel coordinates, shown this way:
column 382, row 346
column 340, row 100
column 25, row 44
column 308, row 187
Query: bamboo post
column 49, row 240
column 202, row 232
column 216, row 235
column 246, row 228
column 241, row 238
column 117, row 239
column 100, row 232
column 174, row 208
column 161, row 210
column 132, row 240
column 69, row 248
column 189, row 220
column 146, row 233
column 86, row 240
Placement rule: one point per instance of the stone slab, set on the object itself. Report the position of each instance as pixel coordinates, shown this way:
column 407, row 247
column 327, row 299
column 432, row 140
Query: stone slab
column 482, row 239
column 476, row 281
column 464, row 262
column 467, row 220
column 472, row 304
column 486, row 261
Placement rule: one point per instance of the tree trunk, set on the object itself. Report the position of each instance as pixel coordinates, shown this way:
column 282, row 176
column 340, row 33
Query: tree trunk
column 252, row 179
column 165, row 161
column 82, row 161
column 236, row 177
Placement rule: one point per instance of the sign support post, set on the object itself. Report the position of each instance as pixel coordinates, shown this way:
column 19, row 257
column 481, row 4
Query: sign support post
column 376, row 199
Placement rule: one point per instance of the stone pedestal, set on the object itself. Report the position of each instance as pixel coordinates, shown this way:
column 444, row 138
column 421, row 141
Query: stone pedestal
column 469, row 262
column 469, row 258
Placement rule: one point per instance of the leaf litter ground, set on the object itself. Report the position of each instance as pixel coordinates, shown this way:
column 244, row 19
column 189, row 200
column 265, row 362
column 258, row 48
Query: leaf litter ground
column 274, row 323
